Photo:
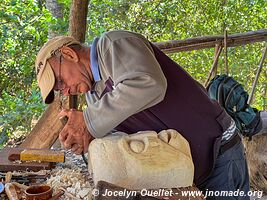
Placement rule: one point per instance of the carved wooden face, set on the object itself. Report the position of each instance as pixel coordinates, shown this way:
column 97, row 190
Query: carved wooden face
column 140, row 160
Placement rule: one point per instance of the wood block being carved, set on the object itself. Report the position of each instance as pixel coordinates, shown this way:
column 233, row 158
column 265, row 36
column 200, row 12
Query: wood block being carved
column 142, row 160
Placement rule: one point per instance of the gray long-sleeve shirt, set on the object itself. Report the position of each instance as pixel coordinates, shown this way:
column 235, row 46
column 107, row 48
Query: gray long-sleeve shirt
column 128, row 60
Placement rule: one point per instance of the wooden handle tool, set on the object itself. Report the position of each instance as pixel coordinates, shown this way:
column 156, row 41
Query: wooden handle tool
column 43, row 155
column 11, row 191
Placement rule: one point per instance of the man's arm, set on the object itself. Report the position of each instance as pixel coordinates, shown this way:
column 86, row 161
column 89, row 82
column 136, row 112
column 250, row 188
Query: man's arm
column 138, row 80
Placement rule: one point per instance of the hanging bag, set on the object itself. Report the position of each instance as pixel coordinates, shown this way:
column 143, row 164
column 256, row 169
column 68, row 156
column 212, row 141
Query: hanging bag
column 233, row 98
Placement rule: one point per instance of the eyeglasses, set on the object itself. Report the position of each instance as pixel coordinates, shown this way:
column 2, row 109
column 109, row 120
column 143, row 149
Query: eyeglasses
column 60, row 82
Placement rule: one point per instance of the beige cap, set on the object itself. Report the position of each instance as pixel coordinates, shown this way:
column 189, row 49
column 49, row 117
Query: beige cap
column 45, row 74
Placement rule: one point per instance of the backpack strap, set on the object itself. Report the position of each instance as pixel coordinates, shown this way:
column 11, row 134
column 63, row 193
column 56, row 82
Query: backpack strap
column 230, row 93
column 220, row 93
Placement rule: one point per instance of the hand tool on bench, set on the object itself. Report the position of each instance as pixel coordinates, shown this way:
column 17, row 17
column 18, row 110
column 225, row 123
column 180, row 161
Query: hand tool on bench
column 44, row 155
column 17, row 165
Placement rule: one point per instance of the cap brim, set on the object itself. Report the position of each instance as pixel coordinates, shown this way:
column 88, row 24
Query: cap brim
column 46, row 84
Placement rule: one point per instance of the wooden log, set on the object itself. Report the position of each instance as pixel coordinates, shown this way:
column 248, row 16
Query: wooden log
column 197, row 43
column 46, row 131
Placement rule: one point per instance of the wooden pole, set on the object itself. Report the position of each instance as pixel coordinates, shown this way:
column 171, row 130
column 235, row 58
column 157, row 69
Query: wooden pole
column 225, row 52
column 213, row 66
column 174, row 46
column 215, row 71
column 257, row 75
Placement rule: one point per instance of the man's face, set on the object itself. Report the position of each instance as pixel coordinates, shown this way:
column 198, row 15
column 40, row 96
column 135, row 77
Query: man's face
column 71, row 77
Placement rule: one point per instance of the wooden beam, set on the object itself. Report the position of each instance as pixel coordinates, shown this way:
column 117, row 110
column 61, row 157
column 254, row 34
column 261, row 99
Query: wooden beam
column 46, row 131
column 174, row 46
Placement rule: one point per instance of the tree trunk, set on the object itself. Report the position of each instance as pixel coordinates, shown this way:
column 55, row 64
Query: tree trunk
column 77, row 29
column 77, row 24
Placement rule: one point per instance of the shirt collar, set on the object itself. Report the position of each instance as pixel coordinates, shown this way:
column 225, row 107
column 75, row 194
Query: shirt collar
column 94, row 61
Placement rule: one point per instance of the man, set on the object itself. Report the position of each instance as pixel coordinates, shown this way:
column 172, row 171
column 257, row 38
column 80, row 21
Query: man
column 130, row 86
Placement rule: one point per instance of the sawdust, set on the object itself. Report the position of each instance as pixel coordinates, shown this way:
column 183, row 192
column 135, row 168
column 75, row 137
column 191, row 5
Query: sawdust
column 74, row 181
column 73, row 177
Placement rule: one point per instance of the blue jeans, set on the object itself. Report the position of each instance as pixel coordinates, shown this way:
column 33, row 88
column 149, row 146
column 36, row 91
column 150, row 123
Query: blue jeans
column 230, row 176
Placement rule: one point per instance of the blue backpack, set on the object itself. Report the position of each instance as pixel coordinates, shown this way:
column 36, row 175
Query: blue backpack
column 233, row 98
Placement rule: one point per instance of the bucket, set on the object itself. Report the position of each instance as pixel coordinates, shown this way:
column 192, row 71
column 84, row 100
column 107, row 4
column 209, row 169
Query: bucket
column 39, row 192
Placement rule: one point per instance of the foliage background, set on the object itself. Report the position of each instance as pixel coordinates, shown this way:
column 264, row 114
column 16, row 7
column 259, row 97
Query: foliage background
column 24, row 26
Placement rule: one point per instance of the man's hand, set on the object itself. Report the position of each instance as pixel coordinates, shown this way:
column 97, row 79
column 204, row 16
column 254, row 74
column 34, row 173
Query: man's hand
column 75, row 135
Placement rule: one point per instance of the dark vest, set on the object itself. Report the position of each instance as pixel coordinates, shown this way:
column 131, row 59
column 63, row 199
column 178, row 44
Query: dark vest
column 187, row 109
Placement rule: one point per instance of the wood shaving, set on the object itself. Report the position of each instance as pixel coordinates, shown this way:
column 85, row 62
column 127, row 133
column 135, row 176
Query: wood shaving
column 69, row 195
column 73, row 181
column 8, row 177
column 17, row 161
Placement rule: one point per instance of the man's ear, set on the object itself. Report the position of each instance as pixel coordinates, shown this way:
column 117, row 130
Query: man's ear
column 69, row 54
